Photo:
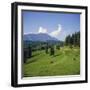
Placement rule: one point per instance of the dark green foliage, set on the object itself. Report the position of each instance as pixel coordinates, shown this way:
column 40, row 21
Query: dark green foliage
column 73, row 39
column 52, row 51
column 58, row 47
column 67, row 41
column 30, row 52
column 71, row 46
column 51, row 62
column 78, row 38
column 46, row 49
column 27, row 53
column 74, row 59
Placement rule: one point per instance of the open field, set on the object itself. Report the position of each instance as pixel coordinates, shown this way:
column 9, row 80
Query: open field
column 66, row 61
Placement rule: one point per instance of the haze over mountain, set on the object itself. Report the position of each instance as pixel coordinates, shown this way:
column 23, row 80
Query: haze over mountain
column 39, row 37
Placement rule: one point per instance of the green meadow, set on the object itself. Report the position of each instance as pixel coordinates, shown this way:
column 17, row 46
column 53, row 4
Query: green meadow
column 65, row 61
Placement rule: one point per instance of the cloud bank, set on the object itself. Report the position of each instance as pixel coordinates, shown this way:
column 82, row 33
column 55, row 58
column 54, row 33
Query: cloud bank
column 42, row 30
column 56, row 33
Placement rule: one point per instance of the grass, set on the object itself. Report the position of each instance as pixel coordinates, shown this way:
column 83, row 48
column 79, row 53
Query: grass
column 66, row 61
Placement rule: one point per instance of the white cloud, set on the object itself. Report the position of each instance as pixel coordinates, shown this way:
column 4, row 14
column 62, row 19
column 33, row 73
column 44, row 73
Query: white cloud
column 42, row 30
column 56, row 33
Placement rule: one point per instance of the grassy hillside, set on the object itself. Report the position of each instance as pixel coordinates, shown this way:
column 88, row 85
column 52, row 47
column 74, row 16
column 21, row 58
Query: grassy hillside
column 66, row 61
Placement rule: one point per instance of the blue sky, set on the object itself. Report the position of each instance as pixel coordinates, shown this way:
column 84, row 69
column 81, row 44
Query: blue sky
column 58, row 25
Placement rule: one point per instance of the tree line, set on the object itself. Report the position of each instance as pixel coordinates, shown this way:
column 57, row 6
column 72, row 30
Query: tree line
column 73, row 40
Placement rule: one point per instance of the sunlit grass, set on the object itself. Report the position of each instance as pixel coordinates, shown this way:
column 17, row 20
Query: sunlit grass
column 66, row 61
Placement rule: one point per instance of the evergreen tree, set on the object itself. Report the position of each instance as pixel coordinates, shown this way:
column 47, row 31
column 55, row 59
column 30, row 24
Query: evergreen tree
column 52, row 51
column 46, row 49
column 74, row 39
column 71, row 40
column 29, row 52
column 78, row 38
column 25, row 54
column 67, row 41
column 58, row 47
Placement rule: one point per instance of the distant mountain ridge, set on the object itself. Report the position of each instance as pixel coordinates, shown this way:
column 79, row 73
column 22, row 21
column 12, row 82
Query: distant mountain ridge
column 39, row 37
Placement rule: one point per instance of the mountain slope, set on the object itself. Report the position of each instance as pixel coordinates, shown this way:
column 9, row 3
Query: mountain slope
column 39, row 37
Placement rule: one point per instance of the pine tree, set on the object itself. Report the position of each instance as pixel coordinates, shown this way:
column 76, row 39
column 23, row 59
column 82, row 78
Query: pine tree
column 78, row 38
column 52, row 51
column 25, row 54
column 29, row 52
column 46, row 49
column 58, row 47
column 67, row 41
column 74, row 39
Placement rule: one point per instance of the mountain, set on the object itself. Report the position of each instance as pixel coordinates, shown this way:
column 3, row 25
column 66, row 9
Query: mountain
column 39, row 37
